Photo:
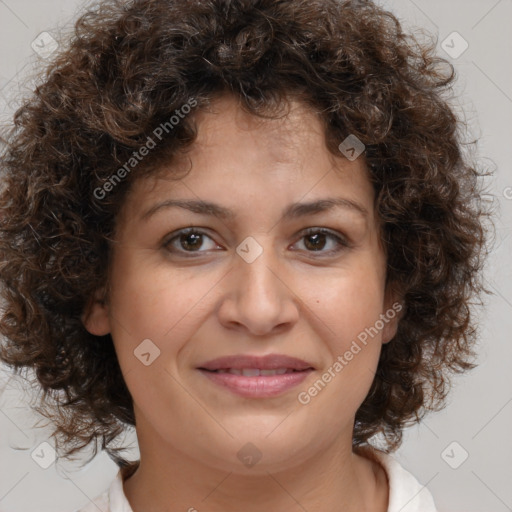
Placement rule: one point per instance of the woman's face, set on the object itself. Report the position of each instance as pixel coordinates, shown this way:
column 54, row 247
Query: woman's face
column 251, row 282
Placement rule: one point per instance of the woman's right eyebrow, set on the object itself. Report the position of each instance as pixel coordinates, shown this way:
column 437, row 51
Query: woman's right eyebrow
column 293, row 211
column 195, row 206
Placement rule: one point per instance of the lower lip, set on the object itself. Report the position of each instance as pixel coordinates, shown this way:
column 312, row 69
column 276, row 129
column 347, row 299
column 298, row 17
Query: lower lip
column 261, row 386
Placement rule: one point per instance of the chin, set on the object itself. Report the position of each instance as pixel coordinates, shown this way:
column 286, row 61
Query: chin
column 258, row 454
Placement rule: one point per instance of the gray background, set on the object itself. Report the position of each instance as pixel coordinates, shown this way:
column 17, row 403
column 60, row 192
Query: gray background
column 477, row 421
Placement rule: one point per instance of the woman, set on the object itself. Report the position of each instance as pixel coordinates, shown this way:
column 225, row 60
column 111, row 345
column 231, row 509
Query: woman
column 247, row 229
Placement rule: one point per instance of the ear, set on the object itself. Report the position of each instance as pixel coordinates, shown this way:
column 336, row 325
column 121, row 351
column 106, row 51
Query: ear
column 393, row 311
column 96, row 315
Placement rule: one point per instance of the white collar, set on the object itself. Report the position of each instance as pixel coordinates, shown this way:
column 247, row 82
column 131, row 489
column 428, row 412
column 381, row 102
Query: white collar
column 406, row 494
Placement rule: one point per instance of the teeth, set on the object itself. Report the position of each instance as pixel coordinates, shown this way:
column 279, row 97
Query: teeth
column 250, row 372
column 279, row 371
column 255, row 372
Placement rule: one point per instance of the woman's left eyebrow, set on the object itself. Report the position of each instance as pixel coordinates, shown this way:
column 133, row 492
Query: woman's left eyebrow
column 293, row 211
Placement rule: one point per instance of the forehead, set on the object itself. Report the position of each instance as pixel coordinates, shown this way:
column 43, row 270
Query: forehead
column 283, row 136
column 237, row 154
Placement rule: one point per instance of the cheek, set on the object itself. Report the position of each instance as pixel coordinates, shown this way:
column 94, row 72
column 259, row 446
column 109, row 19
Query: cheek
column 350, row 302
column 152, row 301
column 347, row 317
column 348, row 311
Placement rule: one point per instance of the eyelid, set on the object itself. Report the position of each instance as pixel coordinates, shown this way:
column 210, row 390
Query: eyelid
column 342, row 241
column 184, row 231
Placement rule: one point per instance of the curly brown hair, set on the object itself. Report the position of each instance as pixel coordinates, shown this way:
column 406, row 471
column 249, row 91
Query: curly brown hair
column 128, row 67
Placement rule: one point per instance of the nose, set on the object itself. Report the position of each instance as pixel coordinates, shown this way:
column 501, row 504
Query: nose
column 258, row 296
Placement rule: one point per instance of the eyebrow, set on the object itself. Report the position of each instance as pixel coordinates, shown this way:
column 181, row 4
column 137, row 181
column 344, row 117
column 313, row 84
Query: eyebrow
column 293, row 211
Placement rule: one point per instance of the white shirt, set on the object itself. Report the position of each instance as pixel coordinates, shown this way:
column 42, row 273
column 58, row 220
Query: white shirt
column 406, row 494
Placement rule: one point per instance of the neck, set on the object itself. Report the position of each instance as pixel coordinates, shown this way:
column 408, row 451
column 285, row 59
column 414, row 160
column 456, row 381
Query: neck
column 334, row 480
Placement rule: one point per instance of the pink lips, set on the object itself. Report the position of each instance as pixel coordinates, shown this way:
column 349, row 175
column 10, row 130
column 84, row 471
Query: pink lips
column 241, row 374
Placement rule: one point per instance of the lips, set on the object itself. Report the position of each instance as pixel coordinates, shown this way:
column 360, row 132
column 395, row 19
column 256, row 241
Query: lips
column 257, row 377
column 255, row 372
column 244, row 363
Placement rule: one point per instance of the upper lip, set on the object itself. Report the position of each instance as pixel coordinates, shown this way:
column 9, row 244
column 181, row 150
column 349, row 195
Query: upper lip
column 268, row 362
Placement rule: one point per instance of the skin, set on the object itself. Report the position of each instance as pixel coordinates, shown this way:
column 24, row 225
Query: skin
column 291, row 300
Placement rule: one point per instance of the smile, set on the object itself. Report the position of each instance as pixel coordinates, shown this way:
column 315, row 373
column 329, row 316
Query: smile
column 255, row 372
column 256, row 383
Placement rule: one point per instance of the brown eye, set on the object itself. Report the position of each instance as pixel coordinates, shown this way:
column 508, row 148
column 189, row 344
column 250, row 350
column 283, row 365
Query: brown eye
column 316, row 239
column 315, row 242
column 189, row 240
column 192, row 241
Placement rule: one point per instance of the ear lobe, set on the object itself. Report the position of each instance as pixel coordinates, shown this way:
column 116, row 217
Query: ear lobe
column 95, row 316
column 390, row 327
column 393, row 312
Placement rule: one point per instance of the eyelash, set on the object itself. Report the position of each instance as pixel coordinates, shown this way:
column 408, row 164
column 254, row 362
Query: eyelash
column 342, row 242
